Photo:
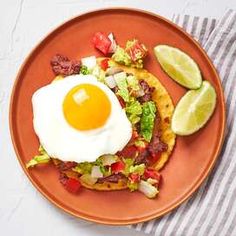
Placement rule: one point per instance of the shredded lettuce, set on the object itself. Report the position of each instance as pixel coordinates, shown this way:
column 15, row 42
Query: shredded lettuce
column 133, row 82
column 134, row 111
column 121, row 56
column 99, row 163
column 147, row 120
column 84, row 70
column 99, row 73
column 128, row 163
column 132, row 186
column 140, row 143
column 137, row 169
column 130, row 43
column 84, row 168
column 121, row 82
column 39, row 159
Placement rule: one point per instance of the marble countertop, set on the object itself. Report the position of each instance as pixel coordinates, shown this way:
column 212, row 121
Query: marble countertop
column 23, row 23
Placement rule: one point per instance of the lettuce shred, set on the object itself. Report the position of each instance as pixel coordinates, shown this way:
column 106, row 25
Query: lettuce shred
column 84, row 168
column 134, row 111
column 147, row 120
column 121, row 82
column 132, row 186
column 121, row 56
column 42, row 158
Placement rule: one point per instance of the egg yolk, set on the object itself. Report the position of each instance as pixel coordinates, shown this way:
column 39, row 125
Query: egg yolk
column 86, row 107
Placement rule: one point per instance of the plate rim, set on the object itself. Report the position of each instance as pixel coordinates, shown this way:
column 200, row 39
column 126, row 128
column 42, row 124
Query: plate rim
column 101, row 220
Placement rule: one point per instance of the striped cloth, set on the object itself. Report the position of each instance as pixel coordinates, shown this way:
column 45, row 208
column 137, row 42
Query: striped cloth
column 212, row 209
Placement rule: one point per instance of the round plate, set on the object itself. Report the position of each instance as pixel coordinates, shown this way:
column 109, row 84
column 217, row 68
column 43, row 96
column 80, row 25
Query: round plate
column 193, row 156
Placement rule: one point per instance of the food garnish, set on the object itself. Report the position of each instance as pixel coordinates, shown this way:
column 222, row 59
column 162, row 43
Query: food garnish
column 194, row 109
column 150, row 142
column 179, row 66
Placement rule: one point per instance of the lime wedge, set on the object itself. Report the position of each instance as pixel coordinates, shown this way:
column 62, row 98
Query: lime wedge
column 179, row 66
column 194, row 109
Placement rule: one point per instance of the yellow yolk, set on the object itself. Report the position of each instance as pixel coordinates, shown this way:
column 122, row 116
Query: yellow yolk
column 86, row 107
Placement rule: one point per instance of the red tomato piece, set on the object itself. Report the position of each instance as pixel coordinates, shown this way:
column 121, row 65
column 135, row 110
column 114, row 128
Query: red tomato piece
column 137, row 51
column 134, row 134
column 101, row 42
column 72, row 185
column 128, row 152
column 154, row 158
column 152, row 173
column 117, row 166
column 134, row 177
column 104, row 63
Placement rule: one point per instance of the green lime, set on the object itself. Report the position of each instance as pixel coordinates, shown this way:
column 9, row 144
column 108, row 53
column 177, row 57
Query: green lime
column 179, row 66
column 194, row 109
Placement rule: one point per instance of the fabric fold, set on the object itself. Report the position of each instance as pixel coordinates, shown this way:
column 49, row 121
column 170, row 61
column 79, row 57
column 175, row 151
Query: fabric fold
column 212, row 209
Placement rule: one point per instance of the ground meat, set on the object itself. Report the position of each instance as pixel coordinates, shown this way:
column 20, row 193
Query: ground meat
column 63, row 178
column 67, row 165
column 61, row 65
column 114, row 178
column 142, row 157
column 147, row 91
column 156, row 145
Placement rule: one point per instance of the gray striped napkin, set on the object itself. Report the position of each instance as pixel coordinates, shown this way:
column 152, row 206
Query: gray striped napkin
column 212, row 209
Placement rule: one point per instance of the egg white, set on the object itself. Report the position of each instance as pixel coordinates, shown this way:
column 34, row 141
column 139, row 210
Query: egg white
column 62, row 141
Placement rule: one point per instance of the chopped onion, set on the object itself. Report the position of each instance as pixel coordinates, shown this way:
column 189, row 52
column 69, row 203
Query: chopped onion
column 146, row 188
column 152, row 181
column 88, row 179
column 110, row 81
column 113, row 70
column 113, row 46
column 96, row 172
column 107, row 160
column 140, row 93
column 89, row 62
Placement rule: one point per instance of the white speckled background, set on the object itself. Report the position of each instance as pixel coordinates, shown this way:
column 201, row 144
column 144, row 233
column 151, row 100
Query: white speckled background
column 23, row 23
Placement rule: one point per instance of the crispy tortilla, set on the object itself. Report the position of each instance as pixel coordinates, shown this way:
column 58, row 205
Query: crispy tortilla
column 164, row 105
column 165, row 108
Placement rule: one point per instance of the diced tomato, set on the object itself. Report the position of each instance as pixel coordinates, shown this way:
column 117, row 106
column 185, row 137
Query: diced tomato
column 128, row 152
column 101, row 42
column 117, row 166
column 72, row 185
column 152, row 173
column 134, row 177
column 121, row 100
column 140, row 148
column 104, row 63
column 134, row 134
column 154, row 158
column 137, row 51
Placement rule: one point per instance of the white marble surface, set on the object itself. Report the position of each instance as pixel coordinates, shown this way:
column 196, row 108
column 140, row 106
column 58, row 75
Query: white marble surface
column 23, row 211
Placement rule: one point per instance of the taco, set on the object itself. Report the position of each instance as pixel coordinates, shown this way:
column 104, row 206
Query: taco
column 149, row 109
column 162, row 128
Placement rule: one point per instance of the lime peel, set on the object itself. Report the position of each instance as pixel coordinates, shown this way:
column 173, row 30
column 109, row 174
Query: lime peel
column 194, row 109
column 179, row 66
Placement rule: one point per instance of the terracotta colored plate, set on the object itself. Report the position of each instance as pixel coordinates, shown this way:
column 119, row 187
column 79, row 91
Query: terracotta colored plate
column 193, row 157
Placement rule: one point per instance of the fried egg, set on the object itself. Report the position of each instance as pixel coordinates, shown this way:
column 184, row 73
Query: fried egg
column 79, row 119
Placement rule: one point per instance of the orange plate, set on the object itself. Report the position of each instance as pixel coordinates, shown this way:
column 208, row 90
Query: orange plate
column 193, row 157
